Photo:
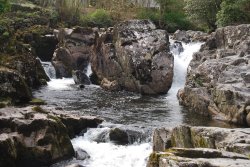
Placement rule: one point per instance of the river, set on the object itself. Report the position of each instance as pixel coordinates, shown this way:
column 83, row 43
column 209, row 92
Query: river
column 136, row 114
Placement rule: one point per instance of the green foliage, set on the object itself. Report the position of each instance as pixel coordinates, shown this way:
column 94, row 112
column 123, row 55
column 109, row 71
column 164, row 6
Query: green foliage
column 175, row 21
column 69, row 11
column 99, row 18
column 203, row 12
column 233, row 12
column 151, row 14
column 4, row 6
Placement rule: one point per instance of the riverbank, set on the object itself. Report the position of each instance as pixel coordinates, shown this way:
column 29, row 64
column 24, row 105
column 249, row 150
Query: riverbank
column 37, row 136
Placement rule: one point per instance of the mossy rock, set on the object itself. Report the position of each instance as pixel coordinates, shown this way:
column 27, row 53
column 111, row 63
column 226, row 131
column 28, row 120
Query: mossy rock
column 36, row 101
column 40, row 110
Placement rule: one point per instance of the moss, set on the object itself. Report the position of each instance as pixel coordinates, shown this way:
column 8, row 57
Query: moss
column 36, row 101
column 55, row 118
column 40, row 110
column 2, row 105
column 198, row 81
column 4, row 102
column 154, row 159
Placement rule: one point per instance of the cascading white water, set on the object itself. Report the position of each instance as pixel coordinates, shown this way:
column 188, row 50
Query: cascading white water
column 181, row 62
column 89, row 70
column 106, row 153
column 49, row 69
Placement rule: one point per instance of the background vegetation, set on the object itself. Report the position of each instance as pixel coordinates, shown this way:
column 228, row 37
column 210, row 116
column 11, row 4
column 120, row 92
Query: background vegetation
column 204, row 15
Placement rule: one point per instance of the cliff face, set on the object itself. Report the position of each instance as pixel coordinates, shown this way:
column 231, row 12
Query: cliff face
column 218, row 80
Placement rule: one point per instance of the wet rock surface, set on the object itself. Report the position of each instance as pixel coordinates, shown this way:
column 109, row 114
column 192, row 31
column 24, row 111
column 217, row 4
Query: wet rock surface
column 190, row 36
column 136, row 55
column 74, row 50
column 37, row 136
column 218, row 82
column 81, row 78
column 200, row 146
column 13, row 86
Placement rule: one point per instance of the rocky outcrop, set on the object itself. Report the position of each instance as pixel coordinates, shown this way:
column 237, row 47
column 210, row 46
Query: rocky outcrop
column 136, row 55
column 13, row 86
column 74, row 50
column 110, row 85
column 190, row 36
column 218, row 76
column 38, row 137
column 44, row 46
column 200, row 146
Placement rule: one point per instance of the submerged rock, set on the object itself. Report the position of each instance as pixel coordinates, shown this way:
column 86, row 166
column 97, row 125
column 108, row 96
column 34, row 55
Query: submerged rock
column 81, row 78
column 200, row 146
column 118, row 136
column 38, row 137
column 136, row 55
column 217, row 82
column 81, row 154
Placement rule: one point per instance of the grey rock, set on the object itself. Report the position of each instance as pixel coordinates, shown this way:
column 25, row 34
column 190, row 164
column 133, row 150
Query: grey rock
column 73, row 51
column 136, row 55
column 13, row 86
column 187, row 146
column 81, row 154
column 80, row 78
column 217, row 81
column 29, row 135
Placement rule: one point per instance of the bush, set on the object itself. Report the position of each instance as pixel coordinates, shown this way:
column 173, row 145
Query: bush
column 151, row 14
column 4, row 6
column 99, row 18
column 174, row 21
column 233, row 12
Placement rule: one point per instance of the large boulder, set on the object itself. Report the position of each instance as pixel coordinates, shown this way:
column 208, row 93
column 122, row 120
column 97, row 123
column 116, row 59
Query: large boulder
column 190, row 36
column 218, row 76
column 28, row 67
column 13, row 86
column 74, row 50
column 200, row 146
column 38, row 137
column 136, row 55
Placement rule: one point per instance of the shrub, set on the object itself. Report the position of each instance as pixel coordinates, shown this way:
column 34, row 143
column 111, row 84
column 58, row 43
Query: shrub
column 151, row 14
column 174, row 21
column 99, row 18
column 4, row 6
column 233, row 12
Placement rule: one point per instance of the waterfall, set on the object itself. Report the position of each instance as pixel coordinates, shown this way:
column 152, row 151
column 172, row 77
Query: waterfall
column 181, row 62
column 92, row 100
column 89, row 70
column 49, row 69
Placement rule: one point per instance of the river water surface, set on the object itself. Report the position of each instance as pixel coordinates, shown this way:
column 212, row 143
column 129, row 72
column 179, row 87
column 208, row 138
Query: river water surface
column 130, row 111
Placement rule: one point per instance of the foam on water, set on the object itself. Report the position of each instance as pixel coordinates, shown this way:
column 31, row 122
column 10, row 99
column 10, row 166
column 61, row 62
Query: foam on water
column 111, row 155
column 59, row 84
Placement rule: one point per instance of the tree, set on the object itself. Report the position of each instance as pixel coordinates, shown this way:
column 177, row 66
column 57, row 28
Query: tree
column 4, row 6
column 203, row 12
column 163, row 8
column 233, row 12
